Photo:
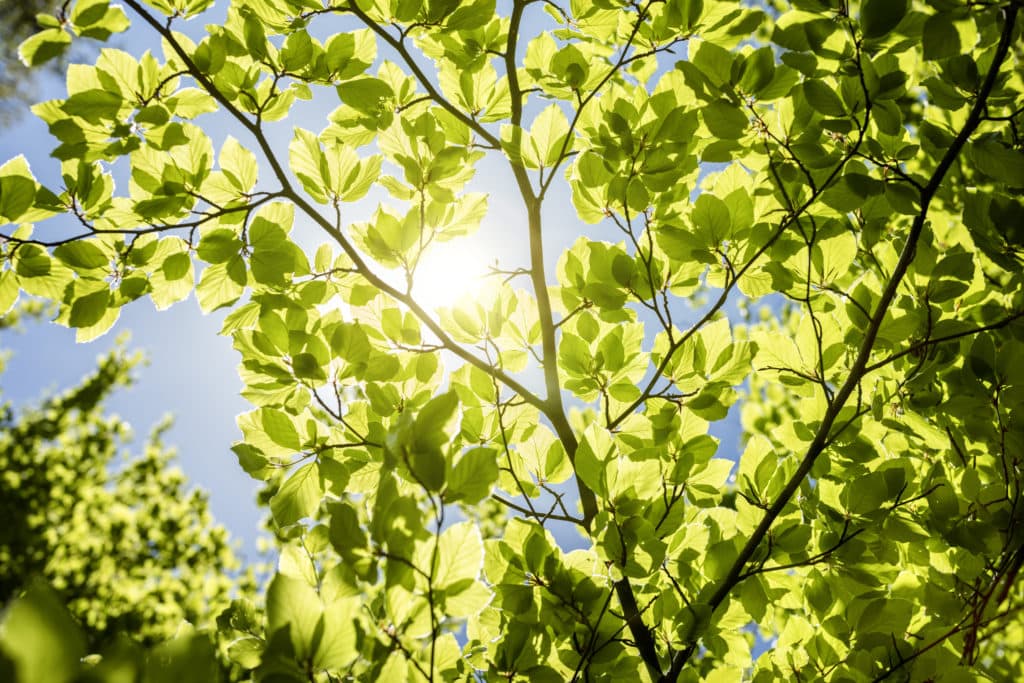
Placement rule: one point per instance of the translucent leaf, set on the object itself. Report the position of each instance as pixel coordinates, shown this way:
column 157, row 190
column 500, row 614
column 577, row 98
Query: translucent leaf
column 82, row 255
column 238, row 164
column 8, row 291
column 89, row 309
column 547, row 135
column 17, row 189
column 434, row 417
column 999, row 162
column 595, row 449
column 44, row 46
column 221, row 284
column 94, row 106
column 823, row 98
column 365, row 94
column 280, row 428
column 467, row 602
column 308, row 163
column 712, row 218
column 219, row 246
column 87, row 12
column 879, row 17
column 337, row 644
column 473, row 476
column 865, row 494
column 460, row 557
column 299, row 496
column 294, row 604
column 940, row 38
column 725, row 120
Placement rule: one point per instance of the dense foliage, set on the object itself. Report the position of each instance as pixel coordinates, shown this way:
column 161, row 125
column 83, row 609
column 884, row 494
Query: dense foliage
column 851, row 170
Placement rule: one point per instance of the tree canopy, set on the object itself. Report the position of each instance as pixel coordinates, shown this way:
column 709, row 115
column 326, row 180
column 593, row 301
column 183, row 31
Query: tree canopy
column 808, row 212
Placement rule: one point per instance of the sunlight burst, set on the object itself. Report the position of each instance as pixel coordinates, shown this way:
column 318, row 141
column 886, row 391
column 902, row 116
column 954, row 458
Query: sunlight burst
column 448, row 273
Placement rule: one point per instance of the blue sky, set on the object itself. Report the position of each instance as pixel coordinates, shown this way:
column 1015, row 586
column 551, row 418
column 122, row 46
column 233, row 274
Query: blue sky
column 192, row 370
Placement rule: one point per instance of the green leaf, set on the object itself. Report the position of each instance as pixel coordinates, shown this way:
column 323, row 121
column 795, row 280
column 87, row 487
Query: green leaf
column 1002, row 163
column 714, row 61
column 865, row 494
column 89, row 309
column 595, row 449
column 177, row 266
column 470, row 15
column 309, row 165
column 271, row 266
column 754, row 598
column 8, row 291
column 95, row 106
column 547, row 135
column 165, row 291
column 299, row 496
column 725, row 120
column 395, row 670
column 879, row 17
column 186, row 657
column 247, row 652
column 306, row 366
column 221, row 284
column 337, row 642
column 720, row 559
column 44, row 46
column 365, row 94
column 41, row 638
column 254, row 35
column 758, row 70
column 219, row 246
column 433, row 419
column 940, row 39
column 350, row 54
column 86, row 12
column 82, row 255
column 982, row 357
column 279, row 426
column 473, row 476
column 460, row 557
column 238, row 164
column 571, row 66
column 886, row 615
column 712, row 219
column 297, row 51
column 822, row 98
column 294, row 605
column 17, row 189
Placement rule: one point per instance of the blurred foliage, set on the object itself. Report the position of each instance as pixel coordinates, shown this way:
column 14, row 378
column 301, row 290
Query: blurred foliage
column 18, row 22
column 127, row 548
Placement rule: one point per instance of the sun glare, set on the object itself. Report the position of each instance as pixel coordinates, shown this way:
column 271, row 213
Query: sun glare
column 449, row 272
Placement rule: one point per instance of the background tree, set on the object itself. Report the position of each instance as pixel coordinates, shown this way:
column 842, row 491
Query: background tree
column 18, row 19
column 853, row 168
column 126, row 547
